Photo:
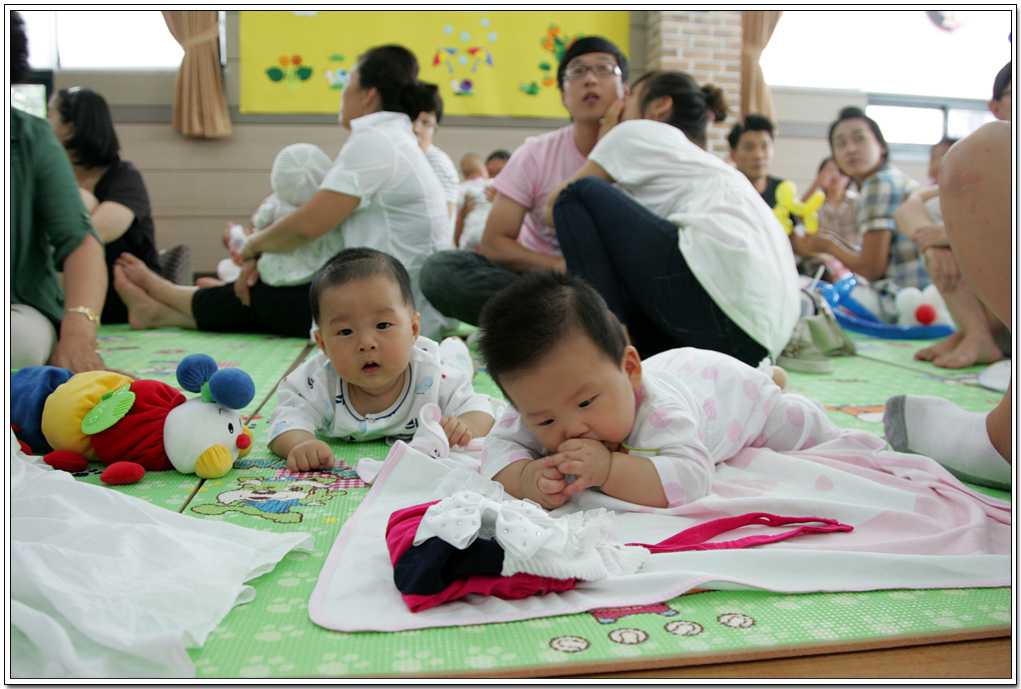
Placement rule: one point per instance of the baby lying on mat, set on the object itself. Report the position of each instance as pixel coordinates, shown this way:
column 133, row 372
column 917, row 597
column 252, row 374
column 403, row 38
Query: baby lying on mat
column 582, row 407
column 374, row 373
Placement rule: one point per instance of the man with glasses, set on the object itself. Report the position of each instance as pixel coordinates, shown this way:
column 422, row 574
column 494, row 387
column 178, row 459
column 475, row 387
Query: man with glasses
column 592, row 74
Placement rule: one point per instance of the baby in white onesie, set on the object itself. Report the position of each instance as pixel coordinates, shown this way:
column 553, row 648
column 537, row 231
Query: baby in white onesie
column 297, row 172
column 374, row 373
column 585, row 405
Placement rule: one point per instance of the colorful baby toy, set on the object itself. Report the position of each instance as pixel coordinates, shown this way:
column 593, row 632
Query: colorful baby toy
column 134, row 425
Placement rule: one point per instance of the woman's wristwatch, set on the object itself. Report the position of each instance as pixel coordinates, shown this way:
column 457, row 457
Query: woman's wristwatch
column 85, row 311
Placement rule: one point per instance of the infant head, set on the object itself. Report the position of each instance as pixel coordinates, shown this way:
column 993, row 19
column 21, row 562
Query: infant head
column 298, row 170
column 365, row 317
column 562, row 359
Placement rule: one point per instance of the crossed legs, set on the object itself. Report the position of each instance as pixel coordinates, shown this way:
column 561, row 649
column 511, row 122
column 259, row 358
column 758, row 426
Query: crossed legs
column 152, row 300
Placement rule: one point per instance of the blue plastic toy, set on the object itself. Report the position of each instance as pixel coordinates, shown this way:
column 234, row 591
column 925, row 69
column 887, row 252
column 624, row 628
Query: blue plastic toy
column 850, row 314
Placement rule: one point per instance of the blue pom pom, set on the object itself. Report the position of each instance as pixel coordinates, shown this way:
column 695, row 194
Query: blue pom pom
column 194, row 370
column 232, row 387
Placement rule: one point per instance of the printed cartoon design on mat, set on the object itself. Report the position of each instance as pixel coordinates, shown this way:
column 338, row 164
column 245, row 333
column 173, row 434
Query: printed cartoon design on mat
column 275, row 499
column 869, row 413
column 569, row 644
column 339, row 477
column 628, row 637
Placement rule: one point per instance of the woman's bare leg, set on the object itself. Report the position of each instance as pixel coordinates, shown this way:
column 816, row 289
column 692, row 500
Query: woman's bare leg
column 975, row 191
column 977, row 215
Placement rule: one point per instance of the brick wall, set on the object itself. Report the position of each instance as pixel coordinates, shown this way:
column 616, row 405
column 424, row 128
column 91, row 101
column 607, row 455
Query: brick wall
column 706, row 45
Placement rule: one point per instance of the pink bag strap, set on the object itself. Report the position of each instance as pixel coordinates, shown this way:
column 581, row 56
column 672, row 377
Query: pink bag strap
column 695, row 537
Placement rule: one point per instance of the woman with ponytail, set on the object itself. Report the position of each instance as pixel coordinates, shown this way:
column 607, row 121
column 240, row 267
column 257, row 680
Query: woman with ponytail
column 683, row 250
column 380, row 193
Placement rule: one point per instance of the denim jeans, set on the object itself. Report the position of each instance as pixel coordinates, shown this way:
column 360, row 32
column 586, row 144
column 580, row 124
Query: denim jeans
column 631, row 257
column 459, row 283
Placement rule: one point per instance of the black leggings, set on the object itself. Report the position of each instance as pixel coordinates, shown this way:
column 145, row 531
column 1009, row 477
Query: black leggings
column 632, row 259
column 279, row 310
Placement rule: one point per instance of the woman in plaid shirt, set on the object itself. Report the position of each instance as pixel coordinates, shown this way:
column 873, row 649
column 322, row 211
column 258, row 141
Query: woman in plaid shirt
column 886, row 258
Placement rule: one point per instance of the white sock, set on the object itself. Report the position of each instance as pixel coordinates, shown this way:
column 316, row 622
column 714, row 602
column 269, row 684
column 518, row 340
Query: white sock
column 957, row 439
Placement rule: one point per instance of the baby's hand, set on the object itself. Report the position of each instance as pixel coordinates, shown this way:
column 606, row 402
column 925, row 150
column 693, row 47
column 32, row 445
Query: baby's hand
column 544, row 485
column 611, row 118
column 588, row 460
column 457, row 431
column 309, row 456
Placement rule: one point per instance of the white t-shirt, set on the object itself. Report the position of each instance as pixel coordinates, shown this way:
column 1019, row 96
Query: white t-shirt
column 402, row 211
column 475, row 221
column 314, row 398
column 537, row 166
column 731, row 241
column 446, row 172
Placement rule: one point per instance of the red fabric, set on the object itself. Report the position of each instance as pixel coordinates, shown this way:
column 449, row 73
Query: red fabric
column 403, row 524
column 693, row 538
column 400, row 535
column 138, row 437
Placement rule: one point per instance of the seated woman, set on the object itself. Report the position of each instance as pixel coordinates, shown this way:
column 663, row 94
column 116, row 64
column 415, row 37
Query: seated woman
column 886, row 259
column 49, row 232
column 112, row 189
column 380, row 193
column 684, row 252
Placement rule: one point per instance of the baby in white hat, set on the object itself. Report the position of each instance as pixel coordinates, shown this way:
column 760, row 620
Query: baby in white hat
column 298, row 170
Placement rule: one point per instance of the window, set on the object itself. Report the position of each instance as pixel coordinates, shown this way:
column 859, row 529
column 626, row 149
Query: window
column 911, row 52
column 102, row 40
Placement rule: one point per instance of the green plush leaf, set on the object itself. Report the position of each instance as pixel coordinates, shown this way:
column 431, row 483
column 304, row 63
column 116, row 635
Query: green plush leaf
column 112, row 407
column 275, row 73
column 304, row 73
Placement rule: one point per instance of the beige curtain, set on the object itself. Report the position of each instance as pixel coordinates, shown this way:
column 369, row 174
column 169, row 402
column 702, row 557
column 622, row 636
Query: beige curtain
column 200, row 106
column 757, row 29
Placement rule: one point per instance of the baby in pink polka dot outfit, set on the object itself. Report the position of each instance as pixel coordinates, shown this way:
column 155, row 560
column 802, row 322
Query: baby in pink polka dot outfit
column 588, row 413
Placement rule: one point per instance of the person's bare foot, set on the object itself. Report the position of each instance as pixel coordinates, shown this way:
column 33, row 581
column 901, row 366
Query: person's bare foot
column 144, row 312
column 209, row 282
column 941, row 348
column 136, row 272
column 972, row 349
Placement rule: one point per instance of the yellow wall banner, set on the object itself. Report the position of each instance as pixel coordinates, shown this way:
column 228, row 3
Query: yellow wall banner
column 496, row 63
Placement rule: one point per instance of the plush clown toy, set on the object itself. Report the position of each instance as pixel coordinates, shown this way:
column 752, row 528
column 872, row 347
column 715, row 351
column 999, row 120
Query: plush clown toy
column 134, row 425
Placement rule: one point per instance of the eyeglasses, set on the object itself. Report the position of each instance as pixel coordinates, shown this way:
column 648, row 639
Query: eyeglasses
column 600, row 69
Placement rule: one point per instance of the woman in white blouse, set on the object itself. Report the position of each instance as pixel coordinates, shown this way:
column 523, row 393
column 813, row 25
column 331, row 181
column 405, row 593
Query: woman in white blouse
column 683, row 249
column 380, row 193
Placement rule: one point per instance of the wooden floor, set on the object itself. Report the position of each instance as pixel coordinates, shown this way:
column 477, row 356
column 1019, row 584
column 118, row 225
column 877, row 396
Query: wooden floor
column 980, row 659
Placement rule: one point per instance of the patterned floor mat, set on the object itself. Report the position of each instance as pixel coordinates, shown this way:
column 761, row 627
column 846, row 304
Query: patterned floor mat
column 273, row 636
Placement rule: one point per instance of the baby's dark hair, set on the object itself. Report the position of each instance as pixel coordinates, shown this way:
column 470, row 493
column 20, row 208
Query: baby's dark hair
column 524, row 321
column 358, row 263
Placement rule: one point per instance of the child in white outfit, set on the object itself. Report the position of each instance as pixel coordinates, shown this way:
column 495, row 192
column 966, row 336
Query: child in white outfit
column 374, row 373
column 585, row 405
column 473, row 204
column 298, row 170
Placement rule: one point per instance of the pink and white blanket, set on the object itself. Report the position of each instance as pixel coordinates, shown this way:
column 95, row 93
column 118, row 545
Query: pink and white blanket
column 915, row 527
